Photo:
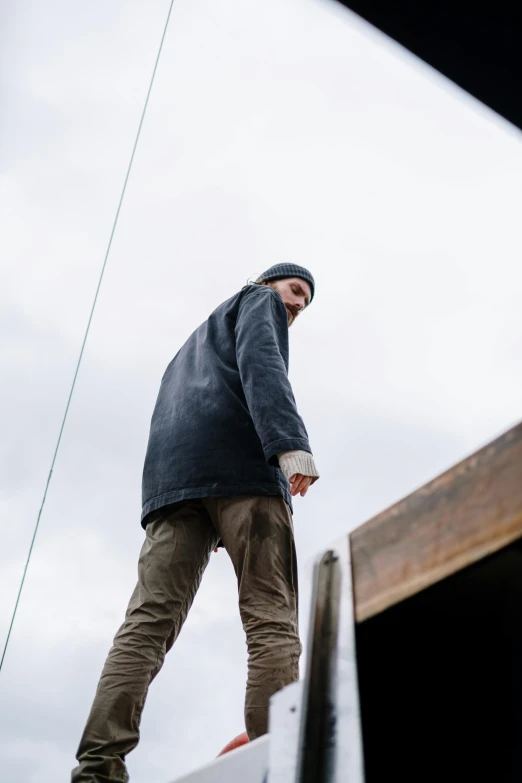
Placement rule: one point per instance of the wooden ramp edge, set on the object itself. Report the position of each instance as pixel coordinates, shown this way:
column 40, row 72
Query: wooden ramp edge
column 470, row 511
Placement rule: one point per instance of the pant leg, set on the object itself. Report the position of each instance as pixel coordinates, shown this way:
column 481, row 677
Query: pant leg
column 176, row 550
column 258, row 535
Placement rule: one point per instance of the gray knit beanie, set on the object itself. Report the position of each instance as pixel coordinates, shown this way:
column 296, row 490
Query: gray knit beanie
column 280, row 271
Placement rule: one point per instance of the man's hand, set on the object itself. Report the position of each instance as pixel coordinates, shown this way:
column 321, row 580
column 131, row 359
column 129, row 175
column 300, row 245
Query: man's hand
column 300, row 484
column 299, row 469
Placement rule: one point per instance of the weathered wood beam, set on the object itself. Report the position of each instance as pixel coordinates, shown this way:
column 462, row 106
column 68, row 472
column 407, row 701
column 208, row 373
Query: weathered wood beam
column 470, row 511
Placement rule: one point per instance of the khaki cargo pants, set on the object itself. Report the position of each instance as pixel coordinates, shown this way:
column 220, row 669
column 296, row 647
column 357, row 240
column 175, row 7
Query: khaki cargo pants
column 258, row 535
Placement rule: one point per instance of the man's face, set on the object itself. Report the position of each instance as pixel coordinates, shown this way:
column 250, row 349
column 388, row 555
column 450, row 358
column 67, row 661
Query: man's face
column 295, row 293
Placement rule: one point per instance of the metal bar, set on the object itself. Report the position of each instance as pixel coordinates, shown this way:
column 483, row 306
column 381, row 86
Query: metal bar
column 316, row 748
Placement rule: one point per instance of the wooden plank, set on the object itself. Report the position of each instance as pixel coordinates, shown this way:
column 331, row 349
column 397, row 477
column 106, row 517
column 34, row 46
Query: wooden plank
column 472, row 510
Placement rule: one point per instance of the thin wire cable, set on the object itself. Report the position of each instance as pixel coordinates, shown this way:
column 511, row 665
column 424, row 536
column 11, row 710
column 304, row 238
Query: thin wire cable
column 87, row 329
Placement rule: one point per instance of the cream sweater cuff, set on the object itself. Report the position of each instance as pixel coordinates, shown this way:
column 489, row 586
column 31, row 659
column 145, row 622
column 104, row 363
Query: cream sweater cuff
column 292, row 462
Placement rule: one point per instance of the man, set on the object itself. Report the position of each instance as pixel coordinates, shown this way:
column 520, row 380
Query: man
column 227, row 451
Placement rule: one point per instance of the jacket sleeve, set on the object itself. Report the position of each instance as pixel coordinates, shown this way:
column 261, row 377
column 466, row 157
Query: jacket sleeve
column 262, row 356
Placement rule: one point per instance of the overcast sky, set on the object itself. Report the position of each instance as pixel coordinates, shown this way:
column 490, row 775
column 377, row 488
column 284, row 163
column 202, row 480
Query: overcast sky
column 277, row 131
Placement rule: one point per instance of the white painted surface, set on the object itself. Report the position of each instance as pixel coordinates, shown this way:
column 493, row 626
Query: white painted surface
column 247, row 764
column 349, row 765
column 285, row 718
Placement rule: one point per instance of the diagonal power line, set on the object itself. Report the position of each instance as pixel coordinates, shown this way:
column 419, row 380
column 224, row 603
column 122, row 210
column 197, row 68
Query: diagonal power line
column 102, row 272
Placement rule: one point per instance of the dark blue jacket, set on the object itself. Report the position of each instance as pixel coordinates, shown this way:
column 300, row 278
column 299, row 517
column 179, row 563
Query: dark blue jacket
column 225, row 407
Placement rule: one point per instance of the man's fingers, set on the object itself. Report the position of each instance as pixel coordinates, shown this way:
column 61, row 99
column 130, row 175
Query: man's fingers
column 300, row 484
column 304, row 489
column 297, row 484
